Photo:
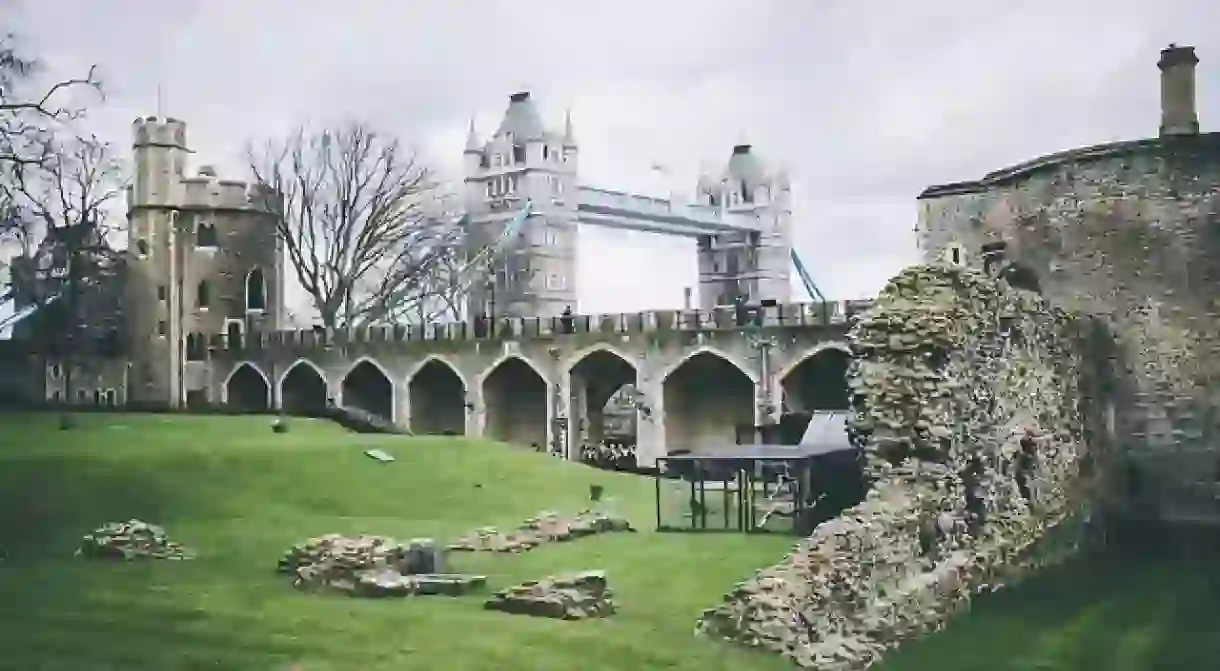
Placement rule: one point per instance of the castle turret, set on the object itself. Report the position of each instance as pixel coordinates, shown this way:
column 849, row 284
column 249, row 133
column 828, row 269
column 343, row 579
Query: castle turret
column 1178, row 115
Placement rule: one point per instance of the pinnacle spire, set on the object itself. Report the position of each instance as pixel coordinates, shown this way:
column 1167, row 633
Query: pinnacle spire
column 569, row 137
column 472, row 138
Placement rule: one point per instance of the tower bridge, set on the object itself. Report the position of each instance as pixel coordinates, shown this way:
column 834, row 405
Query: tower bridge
column 204, row 306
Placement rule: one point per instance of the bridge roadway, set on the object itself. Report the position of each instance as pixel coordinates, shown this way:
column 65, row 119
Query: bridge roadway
column 529, row 381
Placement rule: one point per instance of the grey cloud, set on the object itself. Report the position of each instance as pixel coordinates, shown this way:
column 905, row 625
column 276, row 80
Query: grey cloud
column 866, row 101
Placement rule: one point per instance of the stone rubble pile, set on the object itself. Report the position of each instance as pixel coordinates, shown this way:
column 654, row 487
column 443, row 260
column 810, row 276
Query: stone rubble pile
column 373, row 566
column 547, row 527
column 132, row 539
column 967, row 403
column 575, row 597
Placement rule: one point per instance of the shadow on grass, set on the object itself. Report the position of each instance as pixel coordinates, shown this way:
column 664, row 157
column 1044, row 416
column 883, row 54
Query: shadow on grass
column 1122, row 611
column 59, row 612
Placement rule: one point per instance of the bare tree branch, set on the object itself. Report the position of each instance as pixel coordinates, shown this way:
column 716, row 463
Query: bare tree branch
column 61, row 219
column 354, row 214
column 30, row 119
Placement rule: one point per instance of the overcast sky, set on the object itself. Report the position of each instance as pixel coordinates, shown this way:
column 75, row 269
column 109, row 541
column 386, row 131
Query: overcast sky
column 865, row 101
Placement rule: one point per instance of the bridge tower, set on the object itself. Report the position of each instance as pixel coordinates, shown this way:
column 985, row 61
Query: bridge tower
column 753, row 266
column 536, row 275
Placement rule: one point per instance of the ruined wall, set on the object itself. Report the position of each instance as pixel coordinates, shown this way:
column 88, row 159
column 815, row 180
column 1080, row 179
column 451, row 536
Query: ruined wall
column 955, row 377
column 1130, row 231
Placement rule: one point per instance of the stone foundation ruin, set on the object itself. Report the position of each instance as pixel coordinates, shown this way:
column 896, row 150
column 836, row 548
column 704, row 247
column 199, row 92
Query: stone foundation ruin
column 575, row 597
column 373, row 566
column 547, row 527
column 129, row 540
column 969, row 398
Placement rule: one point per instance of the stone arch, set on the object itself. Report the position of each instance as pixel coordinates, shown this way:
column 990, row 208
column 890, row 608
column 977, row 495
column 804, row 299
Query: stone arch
column 584, row 352
column 817, row 380
column 706, row 397
column 515, row 401
column 303, row 389
column 595, row 375
column 256, row 290
column 713, row 351
column 247, row 388
column 368, row 386
column 436, row 391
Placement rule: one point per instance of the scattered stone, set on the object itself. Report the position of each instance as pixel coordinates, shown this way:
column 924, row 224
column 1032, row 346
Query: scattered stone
column 130, row 540
column 374, row 566
column 575, row 597
column 351, row 553
column 547, row 527
column 967, row 395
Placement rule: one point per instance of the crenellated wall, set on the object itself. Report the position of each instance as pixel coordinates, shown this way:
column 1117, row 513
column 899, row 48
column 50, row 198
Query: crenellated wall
column 645, row 350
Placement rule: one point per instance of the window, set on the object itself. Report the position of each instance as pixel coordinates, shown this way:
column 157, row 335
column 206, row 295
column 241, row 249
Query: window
column 97, row 396
column 497, row 160
column 203, row 297
column 161, row 328
column 234, row 333
column 746, row 195
column 141, row 247
column 957, row 255
column 205, row 235
column 256, row 291
column 518, row 153
column 196, row 347
column 161, row 293
column 555, row 282
column 546, row 152
column 56, row 371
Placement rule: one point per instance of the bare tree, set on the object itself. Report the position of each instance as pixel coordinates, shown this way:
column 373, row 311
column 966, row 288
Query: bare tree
column 30, row 114
column 67, row 273
column 356, row 214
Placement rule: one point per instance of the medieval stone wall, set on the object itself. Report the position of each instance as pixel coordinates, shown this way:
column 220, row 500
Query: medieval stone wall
column 971, row 404
column 1131, row 232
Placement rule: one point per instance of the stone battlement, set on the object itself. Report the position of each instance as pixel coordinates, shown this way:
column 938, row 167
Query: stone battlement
column 795, row 315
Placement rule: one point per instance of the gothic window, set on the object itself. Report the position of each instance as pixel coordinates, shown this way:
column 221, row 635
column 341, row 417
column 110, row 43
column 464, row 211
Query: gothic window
column 195, row 347
column 203, row 295
column 256, row 291
column 712, row 200
column 205, row 235
column 142, row 247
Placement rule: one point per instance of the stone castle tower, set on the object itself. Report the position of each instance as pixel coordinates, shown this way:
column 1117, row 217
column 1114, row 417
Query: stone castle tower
column 205, row 262
column 536, row 276
column 750, row 266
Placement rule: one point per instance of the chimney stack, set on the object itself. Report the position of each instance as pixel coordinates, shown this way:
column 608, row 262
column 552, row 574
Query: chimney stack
column 1178, row 116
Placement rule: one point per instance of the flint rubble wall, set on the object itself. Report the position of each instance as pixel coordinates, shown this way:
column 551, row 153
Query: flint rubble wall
column 954, row 373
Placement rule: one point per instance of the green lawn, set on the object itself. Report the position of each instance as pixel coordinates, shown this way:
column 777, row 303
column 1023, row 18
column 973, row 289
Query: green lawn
column 240, row 495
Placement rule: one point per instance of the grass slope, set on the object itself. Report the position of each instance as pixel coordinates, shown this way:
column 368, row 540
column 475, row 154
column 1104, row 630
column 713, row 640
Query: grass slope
column 240, row 495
